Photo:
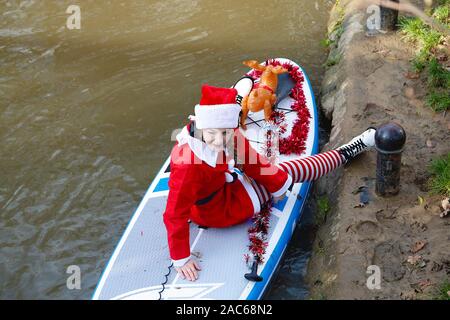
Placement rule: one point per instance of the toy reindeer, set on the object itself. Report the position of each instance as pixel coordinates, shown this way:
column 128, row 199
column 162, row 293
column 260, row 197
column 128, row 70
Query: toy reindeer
column 263, row 94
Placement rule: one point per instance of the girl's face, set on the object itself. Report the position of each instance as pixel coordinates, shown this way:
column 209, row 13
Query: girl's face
column 217, row 139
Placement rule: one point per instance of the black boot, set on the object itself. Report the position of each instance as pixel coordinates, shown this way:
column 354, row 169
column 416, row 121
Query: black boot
column 364, row 141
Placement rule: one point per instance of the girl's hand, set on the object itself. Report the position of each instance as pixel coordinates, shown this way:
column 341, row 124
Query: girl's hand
column 189, row 271
column 276, row 199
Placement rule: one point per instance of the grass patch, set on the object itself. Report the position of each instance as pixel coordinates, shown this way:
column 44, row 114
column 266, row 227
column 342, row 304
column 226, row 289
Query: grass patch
column 419, row 62
column 332, row 61
column 423, row 36
column 428, row 41
column 440, row 180
column 437, row 75
column 320, row 250
column 442, row 292
column 334, row 36
column 340, row 16
column 442, row 13
column 337, row 30
column 326, row 42
column 323, row 208
column 412, row 28
column 438, row 101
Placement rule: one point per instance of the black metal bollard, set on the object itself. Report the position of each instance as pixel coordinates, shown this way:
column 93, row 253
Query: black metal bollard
column 388, row 17
column 389, row 141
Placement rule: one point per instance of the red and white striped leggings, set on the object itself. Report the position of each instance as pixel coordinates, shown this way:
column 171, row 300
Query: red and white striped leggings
column 304, row 169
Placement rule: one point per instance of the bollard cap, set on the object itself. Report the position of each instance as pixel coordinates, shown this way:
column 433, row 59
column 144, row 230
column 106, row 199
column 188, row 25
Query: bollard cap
column 390, row 138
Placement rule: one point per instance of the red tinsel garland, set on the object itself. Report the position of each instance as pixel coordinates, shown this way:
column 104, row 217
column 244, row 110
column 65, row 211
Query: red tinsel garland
column 258, row 233
column 295, row 143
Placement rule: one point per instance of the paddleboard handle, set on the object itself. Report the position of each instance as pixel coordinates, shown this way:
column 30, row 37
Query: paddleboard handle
column 253, row 276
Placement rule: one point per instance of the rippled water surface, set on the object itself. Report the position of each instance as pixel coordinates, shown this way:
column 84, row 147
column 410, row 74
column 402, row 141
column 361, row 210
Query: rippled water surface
column 86, row 116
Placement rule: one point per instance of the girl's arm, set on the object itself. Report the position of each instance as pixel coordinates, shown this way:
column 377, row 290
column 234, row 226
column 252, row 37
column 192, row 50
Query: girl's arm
column 184, row 183
column 275, row 180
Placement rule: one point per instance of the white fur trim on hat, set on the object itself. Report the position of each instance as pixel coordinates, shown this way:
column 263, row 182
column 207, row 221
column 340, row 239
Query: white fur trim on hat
column 221, row 116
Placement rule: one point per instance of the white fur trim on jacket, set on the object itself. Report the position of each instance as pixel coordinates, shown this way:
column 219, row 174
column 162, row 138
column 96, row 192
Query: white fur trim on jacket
column 198, row 147
column 284, row 188
column 221, row 116
column 228, row 176
column 180, row 262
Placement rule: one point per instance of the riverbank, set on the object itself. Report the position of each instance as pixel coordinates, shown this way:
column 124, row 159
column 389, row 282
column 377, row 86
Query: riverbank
column 369, row 82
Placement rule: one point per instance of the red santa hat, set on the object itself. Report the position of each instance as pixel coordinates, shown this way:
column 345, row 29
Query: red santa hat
column 218, row 108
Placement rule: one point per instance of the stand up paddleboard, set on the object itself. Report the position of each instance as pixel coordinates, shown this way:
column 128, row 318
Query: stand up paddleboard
column 140, row 265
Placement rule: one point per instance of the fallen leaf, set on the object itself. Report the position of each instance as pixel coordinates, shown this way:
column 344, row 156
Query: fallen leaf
column 414, row 259
column 421, row 200
column 359, row 189
column 318, row 283
column 446, row 206
column 441, row 57
column 409, row 295
column 412, row 75
column 409, row 93
column 364, row 196
column 384, row 52
column 425, row 283
column 416, row 103
column 436, row 267
column 419, row 245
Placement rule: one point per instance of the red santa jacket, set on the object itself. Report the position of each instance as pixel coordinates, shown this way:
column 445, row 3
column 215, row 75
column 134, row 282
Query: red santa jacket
column 196, row 172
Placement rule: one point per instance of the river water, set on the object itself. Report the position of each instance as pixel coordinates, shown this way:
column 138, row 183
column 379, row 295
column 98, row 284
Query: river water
column 86, row 117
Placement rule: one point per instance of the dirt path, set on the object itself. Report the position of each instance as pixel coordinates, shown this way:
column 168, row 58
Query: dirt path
column 370, row 86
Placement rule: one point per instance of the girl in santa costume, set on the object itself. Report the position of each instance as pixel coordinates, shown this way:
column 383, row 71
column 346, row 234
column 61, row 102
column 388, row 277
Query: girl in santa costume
column 204, row 186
